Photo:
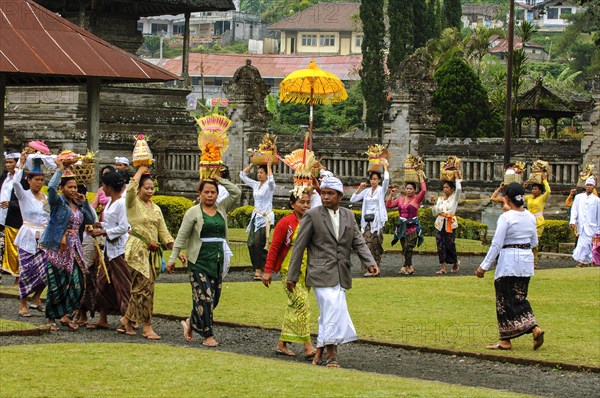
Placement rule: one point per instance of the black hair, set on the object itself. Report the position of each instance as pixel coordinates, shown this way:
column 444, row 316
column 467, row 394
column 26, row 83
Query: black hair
column 114, row 180
column 515, row 193
column 263, row 167
column 65, row 180
column 294, row 198
column 30, row 175
column 82, row 189
column 124, row 174
column 143, row 179
column 541, row 187
column 451, row 184
column 204, row 182
column 225, row 172
column 103, row 169
column 376, row 173
column 414, row 184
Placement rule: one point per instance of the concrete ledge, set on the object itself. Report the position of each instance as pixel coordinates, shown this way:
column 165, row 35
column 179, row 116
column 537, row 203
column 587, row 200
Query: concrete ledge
column 26, row 332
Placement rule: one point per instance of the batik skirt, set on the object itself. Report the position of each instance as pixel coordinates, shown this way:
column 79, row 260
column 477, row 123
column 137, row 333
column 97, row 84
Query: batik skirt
column 409, row 242
column 514, row 313
column 65, row 290
column 206, row 292
column 374, row 242
column 256, row 246
column 141, row 301
column 446, row 246
column 113, row 298
column 295, row 327
column 32, row 272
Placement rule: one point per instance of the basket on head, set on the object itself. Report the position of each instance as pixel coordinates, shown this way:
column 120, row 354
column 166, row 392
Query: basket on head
column 586, row 173
column 142, row 155
column 538, row 169
column 267, row 151
column 513, row 172
column 84, row 172
column 448, row 168
column 412, row 166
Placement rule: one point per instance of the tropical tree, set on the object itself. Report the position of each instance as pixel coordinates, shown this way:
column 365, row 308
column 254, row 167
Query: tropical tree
column 419, row 22
column 437, row 51
column 452, row 13
column 400, row 15
column 520, row 66
column 432, row 19
column 477, row 45
column 461, row 101
column 372, row 71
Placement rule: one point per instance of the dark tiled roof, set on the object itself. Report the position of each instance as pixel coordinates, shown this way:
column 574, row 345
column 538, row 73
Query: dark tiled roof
column 540, row 101
column 325, row 17
column 146, row 7
column 488, row 10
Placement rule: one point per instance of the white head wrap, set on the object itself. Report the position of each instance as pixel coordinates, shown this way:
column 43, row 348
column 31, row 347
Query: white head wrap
column 325, row 173
column 122, row 160
column 15, row 155
column 590, row 181
column 331, row 182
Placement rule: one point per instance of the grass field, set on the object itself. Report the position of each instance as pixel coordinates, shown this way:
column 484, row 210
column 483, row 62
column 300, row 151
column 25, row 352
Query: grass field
column 8, row 325
column 111, row 370
column 241, row 257
column 456, row 313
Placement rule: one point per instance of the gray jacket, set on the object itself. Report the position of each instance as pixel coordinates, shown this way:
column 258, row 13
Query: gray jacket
column 328, row 257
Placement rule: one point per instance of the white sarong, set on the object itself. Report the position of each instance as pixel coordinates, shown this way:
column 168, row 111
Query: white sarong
column 583, row 250
column 335, row 325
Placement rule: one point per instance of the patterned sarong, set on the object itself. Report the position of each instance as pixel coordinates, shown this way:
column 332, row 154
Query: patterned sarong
column 65, row 290
column 141, row 301
column 446, row 247
column 206, row 292
column 113, row 297
column 256, row 246
column 374, row 242
column 514, row 313
column 32, row 272
column 295, row 327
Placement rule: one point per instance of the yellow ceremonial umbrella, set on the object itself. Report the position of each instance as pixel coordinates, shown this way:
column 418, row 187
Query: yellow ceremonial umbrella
column 312, row 86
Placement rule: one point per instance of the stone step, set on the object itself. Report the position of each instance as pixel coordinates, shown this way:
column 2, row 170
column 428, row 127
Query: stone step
column 566, row 247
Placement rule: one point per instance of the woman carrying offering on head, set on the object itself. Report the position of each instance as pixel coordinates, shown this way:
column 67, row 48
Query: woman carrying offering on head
column 514, row 239
column 536, row 202
column 143, row 252
column 408, row 230
column 262, row 216
column 295, row 327
column 203, row 233
column 32, row 261
column 446, row 224
column 374, row 213
column 66, row 266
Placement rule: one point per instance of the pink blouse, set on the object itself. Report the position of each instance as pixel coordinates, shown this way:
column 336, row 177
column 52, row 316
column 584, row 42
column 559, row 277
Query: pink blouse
column 409, row 207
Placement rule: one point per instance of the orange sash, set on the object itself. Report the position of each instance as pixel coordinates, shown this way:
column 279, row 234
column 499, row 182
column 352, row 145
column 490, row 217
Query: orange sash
column 449, row 221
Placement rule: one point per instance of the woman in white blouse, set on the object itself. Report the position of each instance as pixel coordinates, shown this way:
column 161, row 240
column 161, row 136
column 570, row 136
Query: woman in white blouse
column 262, row 217
column 113, row 290
column 374, row 213
column 512, row 245
column 32, row 263
column 446, row 224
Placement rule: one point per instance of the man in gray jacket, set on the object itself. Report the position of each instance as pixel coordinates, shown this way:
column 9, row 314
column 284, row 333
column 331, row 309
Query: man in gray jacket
column 330, row 233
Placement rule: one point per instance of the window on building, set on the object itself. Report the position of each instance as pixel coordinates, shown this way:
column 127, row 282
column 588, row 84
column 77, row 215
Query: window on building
column 359, row 40
column 140, row 26
column 327, row 40
column 159, row 27
column 566, row 11
column 309, row 40
column 552, row 13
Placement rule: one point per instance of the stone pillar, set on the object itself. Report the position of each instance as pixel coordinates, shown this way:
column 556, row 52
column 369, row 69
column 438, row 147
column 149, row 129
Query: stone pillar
column 250, row 116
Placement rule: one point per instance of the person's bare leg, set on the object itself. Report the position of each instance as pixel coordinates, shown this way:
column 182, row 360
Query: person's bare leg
column 210, row 341
column 309, row 349
column 442, row 270
column 149, row 333
column 23, row 307
column 318, row 356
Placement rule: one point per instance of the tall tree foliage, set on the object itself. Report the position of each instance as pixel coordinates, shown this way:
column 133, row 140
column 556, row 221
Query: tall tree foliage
column 432, row 21
column 372, row 69
column 421, row 30
column 452, row 13
column 462, row 102
column 400, row 14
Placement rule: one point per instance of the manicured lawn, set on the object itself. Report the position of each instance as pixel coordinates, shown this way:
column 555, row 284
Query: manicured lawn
column 117, row 370
column 6, row 325
column 456, row 313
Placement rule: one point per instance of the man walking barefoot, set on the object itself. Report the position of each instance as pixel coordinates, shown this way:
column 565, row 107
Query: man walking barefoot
column 330, row 233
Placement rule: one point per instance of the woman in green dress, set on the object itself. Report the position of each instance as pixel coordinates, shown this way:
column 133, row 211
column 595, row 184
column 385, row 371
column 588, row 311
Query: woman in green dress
column 203, row 233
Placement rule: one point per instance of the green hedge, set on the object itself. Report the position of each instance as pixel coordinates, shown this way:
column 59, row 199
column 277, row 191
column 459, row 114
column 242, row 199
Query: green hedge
column 467, row 229
column 173, row 209
column 555, row 232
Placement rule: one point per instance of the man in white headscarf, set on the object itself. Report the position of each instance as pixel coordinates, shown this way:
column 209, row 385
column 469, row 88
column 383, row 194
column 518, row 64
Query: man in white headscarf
column 585, row 216
column 122, row 163
column 329, row 234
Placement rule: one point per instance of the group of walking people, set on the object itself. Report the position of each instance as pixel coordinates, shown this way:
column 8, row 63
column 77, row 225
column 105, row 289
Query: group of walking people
column 310, row 248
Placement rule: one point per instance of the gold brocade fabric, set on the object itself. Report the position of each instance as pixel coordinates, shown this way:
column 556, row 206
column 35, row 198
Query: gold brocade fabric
column 149, row 223
column 10, row 261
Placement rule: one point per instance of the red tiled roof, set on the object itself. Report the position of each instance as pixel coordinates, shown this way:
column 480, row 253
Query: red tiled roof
column 324, row 17
column 269, row 65
column 502, row 45
column 38, row 46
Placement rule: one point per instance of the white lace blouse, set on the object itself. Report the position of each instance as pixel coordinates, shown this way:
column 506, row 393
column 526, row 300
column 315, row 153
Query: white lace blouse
column 35, row 218
column 373, row 203
column 116, row 225
column 263, row 201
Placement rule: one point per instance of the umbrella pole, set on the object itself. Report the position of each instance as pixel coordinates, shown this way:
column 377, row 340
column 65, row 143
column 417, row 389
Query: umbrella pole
column 310, row 119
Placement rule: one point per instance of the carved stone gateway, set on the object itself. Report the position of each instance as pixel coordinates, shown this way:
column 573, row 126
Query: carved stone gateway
column 412, row 119
column 247, row 91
